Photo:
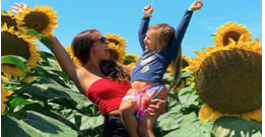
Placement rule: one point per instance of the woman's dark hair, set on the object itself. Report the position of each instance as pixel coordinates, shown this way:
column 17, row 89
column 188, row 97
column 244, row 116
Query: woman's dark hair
column 112, row 70
column 82, row 44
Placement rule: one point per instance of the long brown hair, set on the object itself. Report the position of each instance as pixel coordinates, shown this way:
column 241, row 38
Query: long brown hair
column 112, row 70
column 82, row 43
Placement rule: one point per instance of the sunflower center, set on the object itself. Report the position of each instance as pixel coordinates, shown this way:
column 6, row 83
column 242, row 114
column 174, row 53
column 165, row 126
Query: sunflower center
column 12, row 45
column 113, row 54
column 9, row 22
column 232, row 34
column 230, row 81
column 114, row 41
column 38, row 21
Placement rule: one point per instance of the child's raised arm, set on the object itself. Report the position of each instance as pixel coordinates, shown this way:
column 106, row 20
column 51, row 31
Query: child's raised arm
column 147, row 11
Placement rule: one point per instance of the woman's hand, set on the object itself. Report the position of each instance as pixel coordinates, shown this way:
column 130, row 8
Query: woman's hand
column 197, row 5
column 157, row 106
column 148, row 9
column 20, row 7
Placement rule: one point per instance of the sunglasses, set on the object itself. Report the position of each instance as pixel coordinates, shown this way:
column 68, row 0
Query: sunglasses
column 102, row 39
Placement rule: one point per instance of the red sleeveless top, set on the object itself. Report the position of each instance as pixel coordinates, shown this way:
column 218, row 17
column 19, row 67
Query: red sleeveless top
column 107, row 94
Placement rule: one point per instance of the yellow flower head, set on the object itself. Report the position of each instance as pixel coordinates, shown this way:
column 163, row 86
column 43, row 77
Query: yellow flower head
column 229, row 77
column 43, row 19
column 116, row 39
column 117, row 53
column 233, row 31
column 14, row 43
column 9, row 19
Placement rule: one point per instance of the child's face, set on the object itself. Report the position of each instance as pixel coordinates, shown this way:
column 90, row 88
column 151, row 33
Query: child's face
column 151, row 40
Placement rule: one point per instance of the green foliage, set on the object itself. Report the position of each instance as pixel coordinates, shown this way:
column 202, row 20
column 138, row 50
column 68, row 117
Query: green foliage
column 130, row 59
column 15, row 60
column 51, row 97
column 236, row 127
column 36, row 125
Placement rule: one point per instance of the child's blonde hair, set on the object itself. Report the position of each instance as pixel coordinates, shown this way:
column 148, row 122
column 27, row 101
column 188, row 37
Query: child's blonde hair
column 165, row 33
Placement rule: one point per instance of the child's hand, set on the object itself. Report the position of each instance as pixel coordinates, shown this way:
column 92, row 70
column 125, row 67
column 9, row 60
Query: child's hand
column 148, row 9
column 197, row 5
column 20, row 7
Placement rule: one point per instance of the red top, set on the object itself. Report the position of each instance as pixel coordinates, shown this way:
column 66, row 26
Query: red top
column 107, row 94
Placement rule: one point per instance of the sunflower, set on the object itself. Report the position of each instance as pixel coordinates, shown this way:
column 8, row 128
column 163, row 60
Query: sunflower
column 230, row 30
column 9, row 19
column 117, row 53
column 116, row 39
column 229, row 80
column 42, row 19
column 14, row 43
column 4, row 94
column 73, row 58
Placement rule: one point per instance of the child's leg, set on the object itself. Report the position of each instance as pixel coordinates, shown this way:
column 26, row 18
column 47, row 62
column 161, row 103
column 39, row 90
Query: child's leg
column 155, row 91
column 129, row 120
column 145, row 128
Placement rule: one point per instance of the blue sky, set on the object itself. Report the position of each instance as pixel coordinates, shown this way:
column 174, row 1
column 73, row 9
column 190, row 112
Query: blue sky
column 123, row 17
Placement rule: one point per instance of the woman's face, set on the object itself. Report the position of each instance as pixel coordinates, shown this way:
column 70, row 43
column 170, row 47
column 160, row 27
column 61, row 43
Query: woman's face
column 100, row 47
column 150, row 40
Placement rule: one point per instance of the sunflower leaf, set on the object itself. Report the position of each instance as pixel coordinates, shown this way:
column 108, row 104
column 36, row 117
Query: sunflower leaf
column 46, row 42
column 234, row 126
column 32, row 32
column 15, row 60
column 130, row 59
column 19, row 102
column 213, row 35
column 35, row 125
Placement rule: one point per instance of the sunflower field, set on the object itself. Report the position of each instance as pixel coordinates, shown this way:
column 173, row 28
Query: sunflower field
column 220, row 92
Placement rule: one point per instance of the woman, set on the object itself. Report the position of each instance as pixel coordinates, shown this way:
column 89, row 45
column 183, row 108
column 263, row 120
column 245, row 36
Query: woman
column 103, row 81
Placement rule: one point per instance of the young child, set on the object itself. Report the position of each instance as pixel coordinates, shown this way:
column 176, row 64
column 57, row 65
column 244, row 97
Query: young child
column 161, row 44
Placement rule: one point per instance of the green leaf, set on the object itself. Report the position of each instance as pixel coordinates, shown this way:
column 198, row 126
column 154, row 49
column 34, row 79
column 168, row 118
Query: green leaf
column 44, row 39
column 55, row 91
column 33, row 32
column 189, row 120
column 170, row 120
column 20, row 102
column 34, row 125
column 86, row 122
column 130, row 59
column 236, row 127
column 15, row 60
column 11, row 88
column 192, row 127
column 186, row 74
column 213, row 35
column 46, row 42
